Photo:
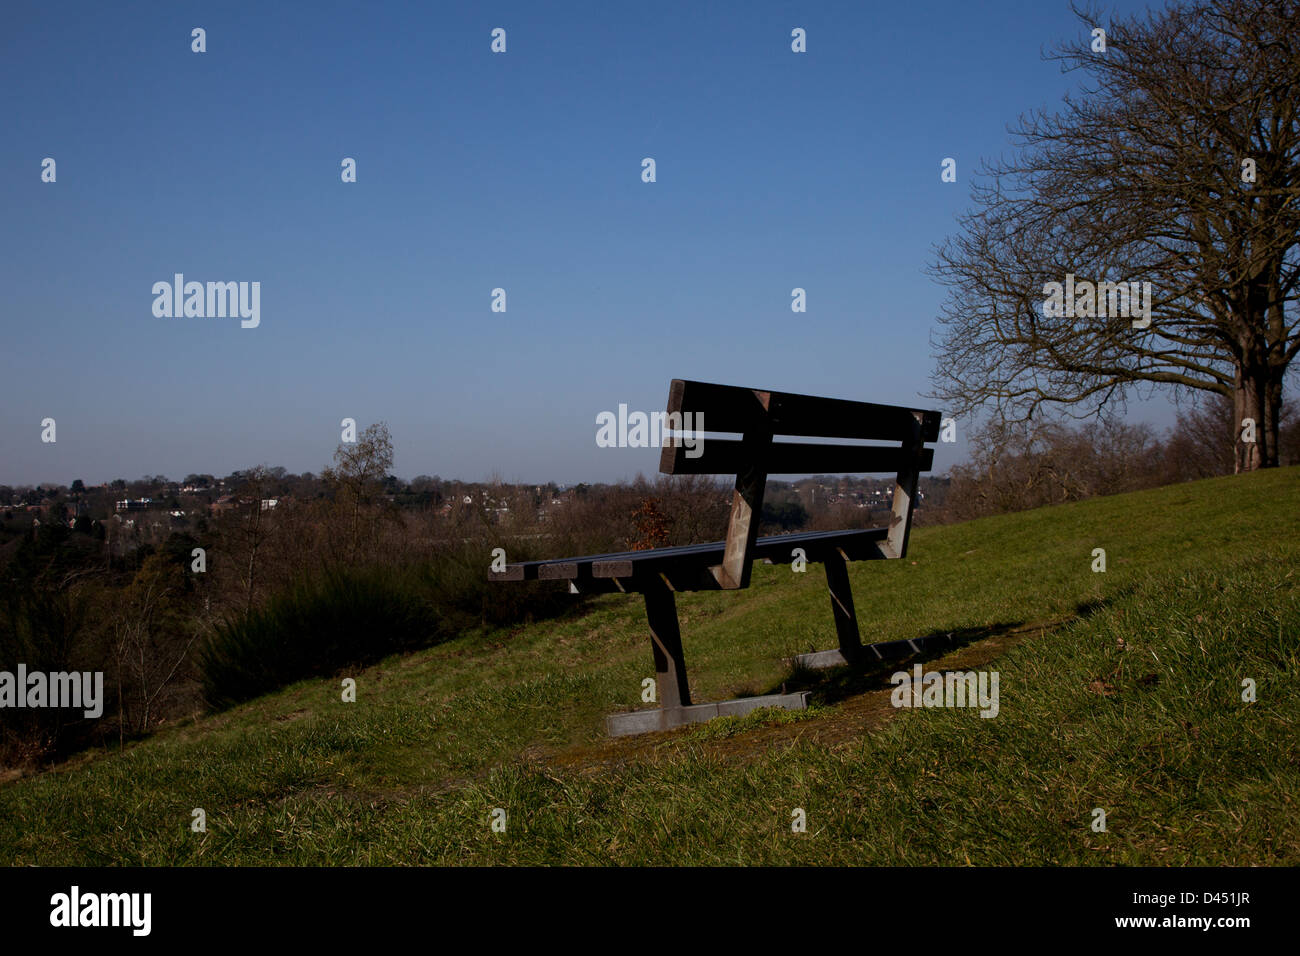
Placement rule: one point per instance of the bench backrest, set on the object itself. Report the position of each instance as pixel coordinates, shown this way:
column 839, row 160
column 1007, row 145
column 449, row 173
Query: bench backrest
column 759, row 416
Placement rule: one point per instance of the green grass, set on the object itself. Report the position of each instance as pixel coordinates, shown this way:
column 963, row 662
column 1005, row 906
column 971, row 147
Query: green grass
column 1130, row 701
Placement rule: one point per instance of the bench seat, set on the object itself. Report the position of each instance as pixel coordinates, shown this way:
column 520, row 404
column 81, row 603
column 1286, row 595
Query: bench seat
column 686, row 568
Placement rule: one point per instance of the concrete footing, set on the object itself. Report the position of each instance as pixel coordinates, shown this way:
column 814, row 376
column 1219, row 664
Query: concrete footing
column 884, row 651
column 645, row 721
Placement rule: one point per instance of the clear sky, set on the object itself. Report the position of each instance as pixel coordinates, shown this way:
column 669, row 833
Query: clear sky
column 477, row 170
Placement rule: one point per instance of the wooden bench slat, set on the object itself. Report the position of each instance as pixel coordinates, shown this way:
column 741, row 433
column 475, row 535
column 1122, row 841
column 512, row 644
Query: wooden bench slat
column 731, row 408
column 689, row 549
column 613, row 555
column 721, row 456
column 683, row 564
column 858, row 545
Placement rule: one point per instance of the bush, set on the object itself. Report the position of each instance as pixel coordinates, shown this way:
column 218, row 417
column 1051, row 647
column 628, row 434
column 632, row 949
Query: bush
column 317, row 626
column 41, row 628
column 466, row 599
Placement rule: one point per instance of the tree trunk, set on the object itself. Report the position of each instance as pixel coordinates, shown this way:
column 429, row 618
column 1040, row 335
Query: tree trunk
column 1255, row 420
column 1273, row 419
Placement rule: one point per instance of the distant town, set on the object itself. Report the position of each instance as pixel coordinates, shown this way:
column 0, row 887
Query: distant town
column 150, row 509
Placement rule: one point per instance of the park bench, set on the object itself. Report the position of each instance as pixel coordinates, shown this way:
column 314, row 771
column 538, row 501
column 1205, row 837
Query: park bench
column 659, row 573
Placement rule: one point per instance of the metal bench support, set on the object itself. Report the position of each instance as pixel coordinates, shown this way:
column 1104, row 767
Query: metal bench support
column 846, row 620
column 674, row 692
column 666, row 638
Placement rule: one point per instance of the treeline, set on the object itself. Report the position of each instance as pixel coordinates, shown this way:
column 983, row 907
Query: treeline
column 1016, row 467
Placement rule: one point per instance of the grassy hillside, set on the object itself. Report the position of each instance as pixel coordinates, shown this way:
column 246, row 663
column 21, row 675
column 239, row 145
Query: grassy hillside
column 1119, row 691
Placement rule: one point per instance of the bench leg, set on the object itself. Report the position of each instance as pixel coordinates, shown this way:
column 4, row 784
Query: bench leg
column 675, row 707
column 666, row 638
column 846, row 620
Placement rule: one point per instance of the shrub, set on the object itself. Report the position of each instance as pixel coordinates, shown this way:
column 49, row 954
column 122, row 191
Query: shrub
column 317, row 626
column 41, row 628
column 466, row 599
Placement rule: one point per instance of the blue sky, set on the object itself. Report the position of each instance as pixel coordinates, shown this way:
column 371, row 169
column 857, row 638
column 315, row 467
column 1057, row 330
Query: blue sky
column 477, row 170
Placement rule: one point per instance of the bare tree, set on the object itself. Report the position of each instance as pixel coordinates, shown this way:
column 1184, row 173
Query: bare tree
column 1200, row 444
column 150, row 643
column 1177, row 164
column 252, row 529
column 697, row 507
column 357, row 480
column 1018, row 465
